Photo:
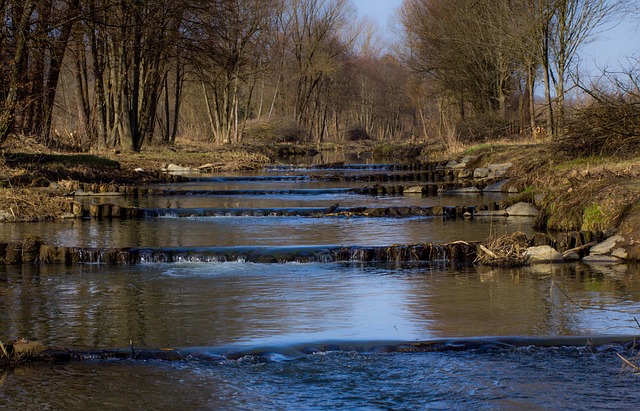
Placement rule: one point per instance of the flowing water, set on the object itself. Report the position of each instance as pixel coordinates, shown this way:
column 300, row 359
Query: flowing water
column 321, row 335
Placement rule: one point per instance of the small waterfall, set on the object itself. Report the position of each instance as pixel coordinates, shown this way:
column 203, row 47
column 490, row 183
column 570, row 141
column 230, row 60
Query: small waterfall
column 457, row 253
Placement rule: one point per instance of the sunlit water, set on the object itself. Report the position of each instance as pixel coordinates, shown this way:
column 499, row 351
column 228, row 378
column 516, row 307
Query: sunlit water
column 210, row 310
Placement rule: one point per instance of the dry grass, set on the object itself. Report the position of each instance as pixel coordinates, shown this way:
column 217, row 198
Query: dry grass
column 23, row 204
column 631, row 364
column 13, row 353
column 191, row 153
column 505, row 251
column 609, row 125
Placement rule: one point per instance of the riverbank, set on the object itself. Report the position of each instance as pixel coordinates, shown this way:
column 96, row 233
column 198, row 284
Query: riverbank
column 596, row 196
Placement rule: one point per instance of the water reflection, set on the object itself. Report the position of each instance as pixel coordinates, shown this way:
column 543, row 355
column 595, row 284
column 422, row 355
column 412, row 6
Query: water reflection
column 273, row 231
column 241, row 303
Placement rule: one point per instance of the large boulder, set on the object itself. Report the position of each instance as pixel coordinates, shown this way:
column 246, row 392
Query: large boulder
column 481, row 172
column 543, row 254
column 174, row 168
column 607, row 246
column 522, row 210
column 413, row 190
column 498, row 170
column 496, row 187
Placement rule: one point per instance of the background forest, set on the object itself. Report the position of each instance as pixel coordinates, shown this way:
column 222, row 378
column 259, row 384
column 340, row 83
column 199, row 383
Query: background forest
column 97, row 74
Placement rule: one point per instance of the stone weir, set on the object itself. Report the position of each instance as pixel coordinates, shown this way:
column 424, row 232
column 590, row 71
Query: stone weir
column 22, row 352
column 33, row 251
column 113, row 211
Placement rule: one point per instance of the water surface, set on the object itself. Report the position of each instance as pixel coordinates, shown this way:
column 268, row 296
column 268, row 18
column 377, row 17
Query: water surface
column 276, row 315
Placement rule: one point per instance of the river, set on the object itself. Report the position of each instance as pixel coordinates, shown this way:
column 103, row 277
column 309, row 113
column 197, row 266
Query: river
column 319, row 335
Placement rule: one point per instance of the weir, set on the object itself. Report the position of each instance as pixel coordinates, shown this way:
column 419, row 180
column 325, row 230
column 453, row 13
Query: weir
column 33, row 251
column 432, row 176
column 116, row 211
column 596, row 343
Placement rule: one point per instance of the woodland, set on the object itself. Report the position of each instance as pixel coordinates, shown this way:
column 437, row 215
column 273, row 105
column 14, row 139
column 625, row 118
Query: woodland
column 113, row 74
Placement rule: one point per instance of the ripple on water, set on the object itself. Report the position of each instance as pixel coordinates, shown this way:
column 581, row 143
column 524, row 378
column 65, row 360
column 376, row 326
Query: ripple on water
column 549, row 378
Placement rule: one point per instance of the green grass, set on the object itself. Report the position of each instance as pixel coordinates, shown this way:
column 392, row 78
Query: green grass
column 29, row 160
column 593, row 218
column 479, row 148
column 582, row 162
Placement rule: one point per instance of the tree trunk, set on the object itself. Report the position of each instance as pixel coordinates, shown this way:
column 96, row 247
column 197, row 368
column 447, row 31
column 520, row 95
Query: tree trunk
column 19, row 57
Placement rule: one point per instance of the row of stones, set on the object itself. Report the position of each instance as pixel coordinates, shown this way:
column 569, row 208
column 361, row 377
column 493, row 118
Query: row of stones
column 115, row 211
column 32, row 250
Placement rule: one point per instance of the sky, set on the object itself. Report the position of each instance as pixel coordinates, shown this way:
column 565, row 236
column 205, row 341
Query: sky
column 609, row 49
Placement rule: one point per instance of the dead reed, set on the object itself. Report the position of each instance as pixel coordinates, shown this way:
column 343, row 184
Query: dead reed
column 504, row 251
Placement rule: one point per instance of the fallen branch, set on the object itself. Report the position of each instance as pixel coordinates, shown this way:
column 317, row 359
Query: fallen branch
column 505, row 251
column 629, row 363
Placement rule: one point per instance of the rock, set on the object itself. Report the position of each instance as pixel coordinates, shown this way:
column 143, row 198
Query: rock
column 459, row 165
column 620, row 253
column 496, row 187
column 174, row 168
column 607, row 246
column 413, row 190
column 465, row 190
column 13, row 253
column 600, row 258
column 572, row 256
column 139, row 170
column 499, row 170
column 543, row 254
column 465, row 173
column 451, row 164
column 468, row 159
column 481, row 172
column 522, row 209
column 31, row 249
column 50, row 254
column 489, row 213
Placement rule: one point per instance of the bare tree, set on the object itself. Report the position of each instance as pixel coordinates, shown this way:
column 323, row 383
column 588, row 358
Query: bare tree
column 571, row 24
column 314, row 28
column 467, row 50
column 16, row 19
column 224, row 37
column 129, row 55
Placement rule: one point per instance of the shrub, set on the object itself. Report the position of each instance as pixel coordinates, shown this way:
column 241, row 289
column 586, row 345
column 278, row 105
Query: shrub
column 358, row 134
column 610, row 125
column 274, row 131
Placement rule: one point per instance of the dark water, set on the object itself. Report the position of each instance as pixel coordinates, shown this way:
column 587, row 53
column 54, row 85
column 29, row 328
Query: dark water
column 527, row 379
column 275, row 313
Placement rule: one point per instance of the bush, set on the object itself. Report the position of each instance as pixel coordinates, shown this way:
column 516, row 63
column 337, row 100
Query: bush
column 358, row 134
column 610, row 125
column 274, row 131
column 487, row 128
column 398, row 151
